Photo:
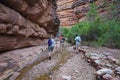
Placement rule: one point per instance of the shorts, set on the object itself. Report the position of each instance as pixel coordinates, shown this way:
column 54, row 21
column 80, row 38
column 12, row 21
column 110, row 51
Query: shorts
column 77, row 45
column 50, row 48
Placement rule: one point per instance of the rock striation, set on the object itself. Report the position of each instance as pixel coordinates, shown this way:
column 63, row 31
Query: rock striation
column 66, row 13
column 26, row 22
column 71, row 12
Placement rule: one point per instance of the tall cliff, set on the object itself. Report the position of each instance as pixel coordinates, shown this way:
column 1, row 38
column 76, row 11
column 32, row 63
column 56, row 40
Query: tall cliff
column 71, row 12
column 66, row 13
column 26, row 22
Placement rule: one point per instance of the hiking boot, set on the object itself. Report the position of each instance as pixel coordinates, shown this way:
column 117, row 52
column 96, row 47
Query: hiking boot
column 49, row 57
column 77, row 52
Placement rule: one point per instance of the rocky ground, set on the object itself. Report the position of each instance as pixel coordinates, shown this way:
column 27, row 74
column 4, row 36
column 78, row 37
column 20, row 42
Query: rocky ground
column 75, row 69
column 33, row 64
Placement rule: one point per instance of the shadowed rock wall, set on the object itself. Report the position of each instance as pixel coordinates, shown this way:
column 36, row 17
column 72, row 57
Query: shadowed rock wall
column 26, row 22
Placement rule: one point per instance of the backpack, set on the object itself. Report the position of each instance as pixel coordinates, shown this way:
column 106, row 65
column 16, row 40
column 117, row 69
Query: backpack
column 78, row 40
column 49, row 42
column 63, row 39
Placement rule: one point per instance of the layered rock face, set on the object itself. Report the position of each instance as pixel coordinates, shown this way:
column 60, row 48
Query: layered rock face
column 66, row 13
column 81, row 8
column 26, row 22
column 72, row 11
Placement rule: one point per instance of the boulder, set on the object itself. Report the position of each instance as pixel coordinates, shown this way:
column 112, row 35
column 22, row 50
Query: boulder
column 64, row 77
column 104, row 71
column 107, row 77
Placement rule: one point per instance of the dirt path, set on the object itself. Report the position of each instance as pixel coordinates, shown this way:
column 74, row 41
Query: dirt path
column 76, row 68
column 62, row 64
column 65, row 64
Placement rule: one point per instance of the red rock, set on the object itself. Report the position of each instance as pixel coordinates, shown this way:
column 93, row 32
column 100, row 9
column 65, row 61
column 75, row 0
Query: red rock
column 115, row 79
column 26, row 22
column 65, row 13
column 107, row 77
column 71, row 12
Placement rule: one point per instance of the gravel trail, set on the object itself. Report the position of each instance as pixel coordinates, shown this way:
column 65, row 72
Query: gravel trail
column 76, row 68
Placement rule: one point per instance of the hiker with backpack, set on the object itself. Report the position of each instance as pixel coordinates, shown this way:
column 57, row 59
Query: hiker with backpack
column 62, row 41
column 51, row 45
column 77, row 42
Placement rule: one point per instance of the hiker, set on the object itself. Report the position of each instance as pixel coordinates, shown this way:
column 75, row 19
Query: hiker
column 62, row 41
column 51, row 44
column 57, row 43
column 77, row 42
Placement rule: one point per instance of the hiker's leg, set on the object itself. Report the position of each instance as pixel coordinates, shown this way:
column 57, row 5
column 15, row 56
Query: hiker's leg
column 57, row 46
column 49, row 54
column 61, row 47
column 76, row 48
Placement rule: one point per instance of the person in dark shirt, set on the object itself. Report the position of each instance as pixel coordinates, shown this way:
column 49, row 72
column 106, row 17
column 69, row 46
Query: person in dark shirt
column 51, row 45
column 62, row 41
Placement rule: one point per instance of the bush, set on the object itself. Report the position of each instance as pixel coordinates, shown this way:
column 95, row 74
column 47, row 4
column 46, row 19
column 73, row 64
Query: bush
column 103, row 30
column 110, row 34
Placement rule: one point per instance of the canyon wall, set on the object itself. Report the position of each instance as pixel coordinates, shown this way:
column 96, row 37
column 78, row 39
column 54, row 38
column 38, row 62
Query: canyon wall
column 66, row 13
column 26, row 23
column 71, row 12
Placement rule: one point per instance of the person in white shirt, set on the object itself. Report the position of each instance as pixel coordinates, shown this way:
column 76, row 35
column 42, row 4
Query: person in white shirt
column 77, row 42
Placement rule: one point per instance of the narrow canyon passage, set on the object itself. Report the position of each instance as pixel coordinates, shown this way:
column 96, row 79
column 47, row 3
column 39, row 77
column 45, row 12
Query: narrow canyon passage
column 26, row 26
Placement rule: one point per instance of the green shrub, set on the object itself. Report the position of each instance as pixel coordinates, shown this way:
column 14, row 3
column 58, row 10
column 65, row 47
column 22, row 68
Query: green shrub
column 110, row 34
column 103, row 30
